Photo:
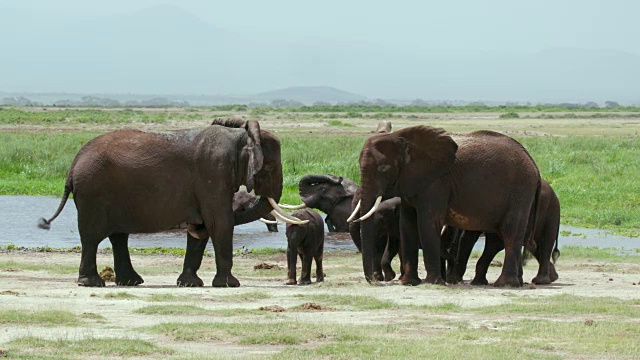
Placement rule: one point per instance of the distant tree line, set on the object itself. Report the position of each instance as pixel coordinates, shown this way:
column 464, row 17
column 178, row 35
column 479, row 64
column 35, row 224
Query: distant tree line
column 95, row 101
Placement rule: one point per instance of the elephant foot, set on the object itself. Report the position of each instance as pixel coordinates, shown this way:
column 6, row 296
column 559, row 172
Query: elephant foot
column 225, row 281
column 454, row 278
column 132, row 279
column 91, row 281
column 319, row 278
column 541, row 280
column 437, row 280
column 291, row 282
column 410, row 281
column 377, row 276
column 479, row 281
column 304, row 282
column 553, row 275
column 189, row 279
column 389, row 275
column 504, row 280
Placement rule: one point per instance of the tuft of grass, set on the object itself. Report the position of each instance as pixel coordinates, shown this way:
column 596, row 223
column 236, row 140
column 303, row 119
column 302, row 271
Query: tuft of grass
column 247, row 296
column 170, row 298
column 39, row 318
column 510, row 115
column 51, row 268
column 339, row 123
column 185, row 310
column 122, row 295
column 575, row 252
column 567, row 305
column 103, row 347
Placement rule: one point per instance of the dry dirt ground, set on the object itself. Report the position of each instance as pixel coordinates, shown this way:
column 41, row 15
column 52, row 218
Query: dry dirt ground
column 44, row 281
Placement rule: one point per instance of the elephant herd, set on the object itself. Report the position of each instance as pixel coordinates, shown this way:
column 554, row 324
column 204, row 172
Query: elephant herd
column 421, row 188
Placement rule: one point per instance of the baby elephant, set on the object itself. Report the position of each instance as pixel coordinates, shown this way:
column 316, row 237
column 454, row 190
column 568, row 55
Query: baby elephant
column 306, row 240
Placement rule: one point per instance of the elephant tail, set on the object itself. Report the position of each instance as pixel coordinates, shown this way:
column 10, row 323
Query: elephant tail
column 68, row 188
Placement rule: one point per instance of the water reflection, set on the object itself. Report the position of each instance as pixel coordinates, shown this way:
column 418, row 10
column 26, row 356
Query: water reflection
column 19, row 214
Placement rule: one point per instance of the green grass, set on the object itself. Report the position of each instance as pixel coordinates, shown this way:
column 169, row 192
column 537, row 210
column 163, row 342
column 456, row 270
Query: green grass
column 184, row 310
column 39, row 318
column 51, row 268
column 121, row 295
column 595, row 177
column 567, row 305
column 76, row 116
column 614, row 255
column 34, row 347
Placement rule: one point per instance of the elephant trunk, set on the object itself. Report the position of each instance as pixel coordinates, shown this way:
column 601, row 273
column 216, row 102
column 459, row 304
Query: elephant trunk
column 354, row 231
column 260, row 209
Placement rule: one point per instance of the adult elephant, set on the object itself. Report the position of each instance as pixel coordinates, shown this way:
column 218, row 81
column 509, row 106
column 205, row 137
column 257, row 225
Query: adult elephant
column 481, row 181
column 332, row 195
column 544, row 246
column 386, row 222
column 131, row 181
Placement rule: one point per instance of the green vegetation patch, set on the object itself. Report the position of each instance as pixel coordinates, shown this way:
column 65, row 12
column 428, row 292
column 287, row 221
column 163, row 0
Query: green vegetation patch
column 575, row 252
column 121, row 295
column 567, row 305
column 186, row 310
column 33, row 347
column 247, row 296
column 52, row 268
column 39, row 318
column 270, row 333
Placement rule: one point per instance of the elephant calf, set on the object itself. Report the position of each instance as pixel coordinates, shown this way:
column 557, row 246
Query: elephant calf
column 306, row 240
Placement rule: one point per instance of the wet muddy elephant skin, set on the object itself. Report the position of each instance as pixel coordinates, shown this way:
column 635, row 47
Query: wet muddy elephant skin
column 544, row 247
column 477, row 181
column 330, row 194
column 306, row 241
column 130, row 181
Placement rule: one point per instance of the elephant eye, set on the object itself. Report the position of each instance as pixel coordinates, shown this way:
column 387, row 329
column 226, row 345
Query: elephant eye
column 313, row 184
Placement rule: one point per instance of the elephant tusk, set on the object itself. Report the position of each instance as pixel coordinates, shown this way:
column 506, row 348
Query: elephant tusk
column 292, row 207
column 267, row 221
column 355, row 212
column 373, row 209
column 293, row 221
column 282, row 213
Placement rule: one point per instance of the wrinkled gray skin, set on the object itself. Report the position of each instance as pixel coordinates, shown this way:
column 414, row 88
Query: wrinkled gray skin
column 544, row 247
column 330, row 194
column 386, row 221
column 306, row 241
column 129, row 181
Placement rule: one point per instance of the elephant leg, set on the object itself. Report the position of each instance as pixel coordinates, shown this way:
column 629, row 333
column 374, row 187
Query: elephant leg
column 492, row 246
column 319, row 268
column 429, row 234
column 292, row 259
column 223, row 246
column 465, row 247
column 381, row 244
column 511, row 274
column 88, row 273
column 125, row 274
column 409, row 241
column 546, row 271
column 389, row 253
column 192, row 262
column 305, row 272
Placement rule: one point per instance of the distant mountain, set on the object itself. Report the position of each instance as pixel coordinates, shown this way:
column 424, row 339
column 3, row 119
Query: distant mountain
column 310, row 94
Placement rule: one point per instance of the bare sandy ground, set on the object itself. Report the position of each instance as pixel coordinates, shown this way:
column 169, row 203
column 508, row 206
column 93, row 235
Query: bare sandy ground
column 24, row 288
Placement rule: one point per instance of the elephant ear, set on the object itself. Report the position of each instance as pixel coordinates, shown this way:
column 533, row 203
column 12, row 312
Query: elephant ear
column 428, row 153
column 253, row 150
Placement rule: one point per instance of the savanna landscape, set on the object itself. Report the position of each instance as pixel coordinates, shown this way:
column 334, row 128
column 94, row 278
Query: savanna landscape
column 590, row 156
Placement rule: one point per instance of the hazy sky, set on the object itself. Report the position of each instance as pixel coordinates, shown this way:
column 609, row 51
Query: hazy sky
column 412, row 30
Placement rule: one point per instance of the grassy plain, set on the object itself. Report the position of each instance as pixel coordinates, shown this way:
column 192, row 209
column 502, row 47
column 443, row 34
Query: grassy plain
column 590, row 312
column 591, row 157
